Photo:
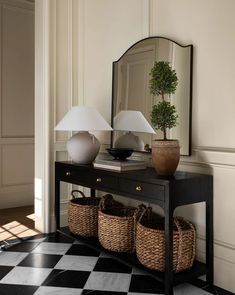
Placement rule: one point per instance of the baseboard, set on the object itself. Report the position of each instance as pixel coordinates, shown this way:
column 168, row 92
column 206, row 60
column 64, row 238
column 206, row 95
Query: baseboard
column 14, row 199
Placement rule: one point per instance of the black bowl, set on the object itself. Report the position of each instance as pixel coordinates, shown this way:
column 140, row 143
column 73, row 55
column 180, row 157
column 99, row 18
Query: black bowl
column 120, row 153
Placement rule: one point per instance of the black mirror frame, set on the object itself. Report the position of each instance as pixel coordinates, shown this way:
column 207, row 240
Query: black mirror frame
column 190, row 93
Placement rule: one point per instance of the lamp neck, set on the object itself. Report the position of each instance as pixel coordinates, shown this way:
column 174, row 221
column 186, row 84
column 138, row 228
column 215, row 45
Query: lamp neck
column 82, row 132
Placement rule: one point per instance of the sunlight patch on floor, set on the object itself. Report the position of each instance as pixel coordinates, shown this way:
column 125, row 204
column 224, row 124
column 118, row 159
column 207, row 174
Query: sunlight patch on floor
column 14, row 229
column 17, row 223
column 31, row 216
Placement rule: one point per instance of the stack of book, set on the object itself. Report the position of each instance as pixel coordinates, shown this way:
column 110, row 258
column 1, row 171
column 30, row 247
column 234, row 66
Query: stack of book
column 119, row 165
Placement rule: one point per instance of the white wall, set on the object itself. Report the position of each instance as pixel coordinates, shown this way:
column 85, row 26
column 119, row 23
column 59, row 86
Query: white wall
column 86, row 36
column 16, row 103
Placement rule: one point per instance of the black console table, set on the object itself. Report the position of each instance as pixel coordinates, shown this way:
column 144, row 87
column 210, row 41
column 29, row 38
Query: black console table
column 145, row 185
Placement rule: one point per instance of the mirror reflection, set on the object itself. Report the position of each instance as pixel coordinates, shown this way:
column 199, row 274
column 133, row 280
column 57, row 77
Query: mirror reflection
column 131, row 86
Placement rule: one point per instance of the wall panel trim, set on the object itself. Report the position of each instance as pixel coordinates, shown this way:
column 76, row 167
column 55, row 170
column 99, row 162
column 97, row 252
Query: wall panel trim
column 29, row 5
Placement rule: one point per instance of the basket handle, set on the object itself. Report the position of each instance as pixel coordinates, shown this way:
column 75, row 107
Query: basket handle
column 77, row 191
column 138, row 212
column 145, row 210
column 108, row 198
column 176, row 221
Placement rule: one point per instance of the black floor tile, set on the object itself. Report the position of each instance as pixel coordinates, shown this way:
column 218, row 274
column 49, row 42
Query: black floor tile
column 111, row 265
column 82, row 250
column 67, row 278
column 213, row 290
column 40, row 260
column 219, row 291
column 145, row 284
column 39, row 236
column 59, row 238
column 7, row 243
column 4, row 270
column 203, row 285
column 23, row 247
column 94, row 292
column 6, row 289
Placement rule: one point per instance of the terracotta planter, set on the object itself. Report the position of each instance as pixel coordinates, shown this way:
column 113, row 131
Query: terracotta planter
column 165, row 155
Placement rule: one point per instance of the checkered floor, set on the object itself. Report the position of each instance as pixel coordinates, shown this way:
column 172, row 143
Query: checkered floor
column 57, row 264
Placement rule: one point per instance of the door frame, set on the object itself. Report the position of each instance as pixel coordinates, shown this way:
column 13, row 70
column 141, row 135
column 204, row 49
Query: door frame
column 42, row 117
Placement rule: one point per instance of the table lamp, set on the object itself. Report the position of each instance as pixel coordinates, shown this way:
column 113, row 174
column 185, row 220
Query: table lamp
column 83, row 147
column 131, row 121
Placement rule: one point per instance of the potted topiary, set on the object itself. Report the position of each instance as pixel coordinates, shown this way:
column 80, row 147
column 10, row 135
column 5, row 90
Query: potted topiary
column 166, row 152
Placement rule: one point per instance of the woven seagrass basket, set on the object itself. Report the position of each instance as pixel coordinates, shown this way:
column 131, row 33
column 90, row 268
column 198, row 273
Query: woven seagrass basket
column 83, row 215
column 116, row 225
column 150, row 242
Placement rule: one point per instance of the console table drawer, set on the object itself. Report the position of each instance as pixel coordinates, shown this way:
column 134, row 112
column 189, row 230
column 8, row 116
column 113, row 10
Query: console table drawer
column 102, row 181
column 142, row 189
column 75, row 176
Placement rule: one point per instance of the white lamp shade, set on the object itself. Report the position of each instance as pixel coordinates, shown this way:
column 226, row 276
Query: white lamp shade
column 83, row 118
column 83, row 147
column 132, row 121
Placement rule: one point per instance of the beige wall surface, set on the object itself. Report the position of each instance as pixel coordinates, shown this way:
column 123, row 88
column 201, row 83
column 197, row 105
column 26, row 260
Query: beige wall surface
column 16, row 103
column 86, row 36
column 210, row 26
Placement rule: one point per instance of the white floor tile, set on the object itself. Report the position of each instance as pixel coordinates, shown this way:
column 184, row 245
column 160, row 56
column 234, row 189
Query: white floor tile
column 71, row 262
column 58, row 291
column 107, row 281
column 52, row 248
column 26, row 276
column 11, row 258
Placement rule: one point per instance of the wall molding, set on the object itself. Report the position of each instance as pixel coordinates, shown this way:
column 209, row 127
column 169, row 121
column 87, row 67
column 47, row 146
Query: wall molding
column 218, row 242
column 221, row 250
column 42, row 116
column 145, row 18
column 215, row 149
column 211, row 156
column 81, row 52
column 70, row 53
column 25, row 4
column 75, row 46
column 17, row 140
column 17, row 188
column 152, row 17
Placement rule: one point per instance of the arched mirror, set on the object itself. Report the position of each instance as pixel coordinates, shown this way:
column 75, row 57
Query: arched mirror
column 130, row 89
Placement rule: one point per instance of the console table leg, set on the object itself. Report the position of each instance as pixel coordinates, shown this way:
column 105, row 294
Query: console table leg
column 169, row 251
column 92, row 192
column 209, row 243
column 57, row 203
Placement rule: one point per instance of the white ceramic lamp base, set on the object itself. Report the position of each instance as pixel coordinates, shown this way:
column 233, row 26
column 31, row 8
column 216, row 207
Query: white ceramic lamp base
column 83, row 147
column 130, row 141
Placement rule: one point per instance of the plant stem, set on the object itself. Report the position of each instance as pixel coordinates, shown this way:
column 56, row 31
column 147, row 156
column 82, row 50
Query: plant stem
column 164, row 133
column 162, row 96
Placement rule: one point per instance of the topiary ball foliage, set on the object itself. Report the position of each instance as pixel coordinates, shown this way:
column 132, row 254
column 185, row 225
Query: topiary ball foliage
column 163, row 79
column 163, row 116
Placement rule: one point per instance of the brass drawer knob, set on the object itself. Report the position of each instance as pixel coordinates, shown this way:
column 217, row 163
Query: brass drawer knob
column 98, row 179
column 138, row 188
column 68, row 173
